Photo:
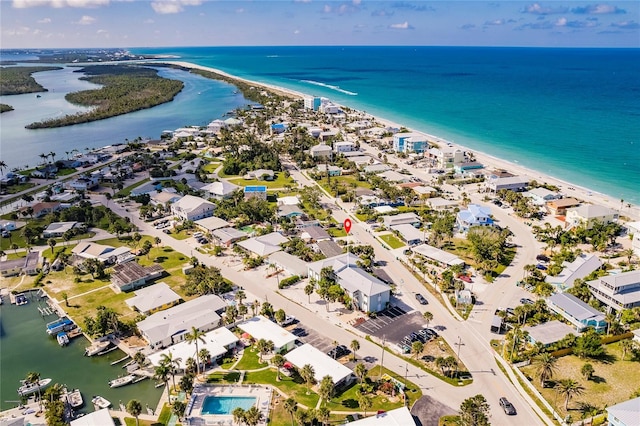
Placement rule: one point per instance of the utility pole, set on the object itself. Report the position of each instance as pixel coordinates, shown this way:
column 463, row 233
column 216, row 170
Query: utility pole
column 382, row 357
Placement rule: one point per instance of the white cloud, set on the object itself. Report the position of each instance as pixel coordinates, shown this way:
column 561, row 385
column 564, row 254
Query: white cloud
column 44, row 21
column 86, row 20
column 22, row 4
column 296, row 32
column 102, row 32
column 166, row 7
column 18, row 31
column 561, row 22
column 326, row 8
column 357, row 2
column 402, row 26
column 240, row 10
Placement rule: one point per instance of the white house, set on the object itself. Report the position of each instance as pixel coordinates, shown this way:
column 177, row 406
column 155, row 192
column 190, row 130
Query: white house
column 264, row 245
column 582, row 266
column 321, row 151
column 624, row 414
column 323, row 365
column 409, row 234
column 104, row 253
column 57, row 229
column 398, row 417
column 635, row 244
column 95, row 418
column 474, row 215
column 512, row 183
column 154, row 298
column 540, row 196
column 578, row 313
column 619, row 291
column 192, row 208
column 219, row 190
column 587, row 214
column 441, row 257
column 344, row 146
column 260, row 327
column 446, row 156
column 400, row 219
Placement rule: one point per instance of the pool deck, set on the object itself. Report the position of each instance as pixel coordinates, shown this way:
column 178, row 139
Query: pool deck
column 193, row 413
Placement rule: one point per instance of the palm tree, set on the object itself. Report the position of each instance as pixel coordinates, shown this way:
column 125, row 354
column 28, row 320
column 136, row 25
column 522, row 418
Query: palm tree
column 568, row 388
column 255, row 306
column 195, row 336
column 360, row 371
column 545, row 367
column 626, row 346
column 326, row 388
column 162, row 373
column 205, row 357
column 253, row 416
column 179, row 408
column 264, row 347
column 238, row 415
column 3, row 166
column 308, row 374
column 134, row 407
column 278, row 362
column 34, row 378
column 323, row 415
column 416, row 348
column 53, row 156
column 308, row 290
column 240, row 296
column 364, row 402
column 355, row 345
column 171, row 362
column 587, row 371
column 139, row 358
column 428, row 317
column 290, row 406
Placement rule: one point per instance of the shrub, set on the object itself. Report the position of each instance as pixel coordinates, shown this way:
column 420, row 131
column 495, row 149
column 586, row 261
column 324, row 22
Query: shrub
column 288, row 281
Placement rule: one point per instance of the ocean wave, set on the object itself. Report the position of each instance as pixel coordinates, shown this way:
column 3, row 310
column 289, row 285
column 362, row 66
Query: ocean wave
column 329, row 86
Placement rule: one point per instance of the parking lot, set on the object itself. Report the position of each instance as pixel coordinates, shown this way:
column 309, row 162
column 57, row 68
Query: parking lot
column 392, row 324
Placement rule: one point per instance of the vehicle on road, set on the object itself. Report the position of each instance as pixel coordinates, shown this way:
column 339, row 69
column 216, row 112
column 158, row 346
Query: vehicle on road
column 508, row 407
column 526, row 301
column 420, row 298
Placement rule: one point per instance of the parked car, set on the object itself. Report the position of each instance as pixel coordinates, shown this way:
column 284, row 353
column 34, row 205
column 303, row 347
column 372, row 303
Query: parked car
column 288, row 320
column 465, row 278
column 497, row 202
column 542, row 258
column 541, row 267
column 510, row 311
column 507, row 406
column 420, row 298
column 338, row 352
column 526, row 301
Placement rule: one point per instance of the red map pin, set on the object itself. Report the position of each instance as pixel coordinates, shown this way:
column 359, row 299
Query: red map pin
column 347, row 225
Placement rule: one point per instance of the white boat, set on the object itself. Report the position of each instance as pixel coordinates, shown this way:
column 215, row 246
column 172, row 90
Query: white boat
column 63, row 339
column 122, row 381
column 74, row 398
column 100, row 402
column 29, row 388
column 96, row 348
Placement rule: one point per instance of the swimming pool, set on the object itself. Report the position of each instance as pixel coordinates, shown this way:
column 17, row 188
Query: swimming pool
column 226, row 404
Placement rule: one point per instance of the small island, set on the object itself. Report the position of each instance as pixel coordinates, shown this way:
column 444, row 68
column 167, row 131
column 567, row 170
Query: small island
column 18, row 80
column 5, row 108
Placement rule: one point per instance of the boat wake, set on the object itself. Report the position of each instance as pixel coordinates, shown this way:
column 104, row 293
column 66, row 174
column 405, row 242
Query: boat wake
column 329, row 86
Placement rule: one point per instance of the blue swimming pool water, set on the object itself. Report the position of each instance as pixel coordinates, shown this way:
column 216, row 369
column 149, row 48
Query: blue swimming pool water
column 226, row 404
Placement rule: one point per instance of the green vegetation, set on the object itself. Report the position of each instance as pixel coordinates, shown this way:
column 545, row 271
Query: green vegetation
column 5, row 108
column 18, row 80
column 125, row 89
column 279, row 181
column 250, row 360
column 18, row 187
column 392, row 241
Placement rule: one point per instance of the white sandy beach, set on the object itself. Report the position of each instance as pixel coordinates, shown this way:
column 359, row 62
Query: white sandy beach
column 490, row 162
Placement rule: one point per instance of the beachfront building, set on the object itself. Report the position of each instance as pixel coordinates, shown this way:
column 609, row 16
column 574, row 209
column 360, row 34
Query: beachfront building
column 582, row 266
column 220, row 190
column 511, row 183
column 617, row 292
column 130, row 276
column 559, row 207
column 323, row 365
column 578, row 313
column 635, row 244
column 446, row 156
column 154, row 298
column 624, row 414
column 548, row 333
column 57, row 229
column 474, row 215
column 541, row 196
column 401, row 219
column 255, row 191
column 260, row 327
column 409, row 143
column 171, row 326
column 435, row 255
column 192, row 208
column 588, row 214
column 312, row 102
column 264, row 245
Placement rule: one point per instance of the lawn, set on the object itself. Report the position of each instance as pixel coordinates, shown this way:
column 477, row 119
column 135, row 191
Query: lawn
column 211, row 167
column 292, row 386
column 392, row 241
column 280, row 181
column 124, row 192
column 19, row 187
column 614, row 380
column 337, row 232
column 462, row 249
column 223, row 377
column 250, row 360
column 18, row 239
column 85, row 305
column 346, row 181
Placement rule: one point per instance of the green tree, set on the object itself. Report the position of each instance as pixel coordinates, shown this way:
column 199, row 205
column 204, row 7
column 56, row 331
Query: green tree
column 280, row 316
column 308, row 375
column 195, row 336
column 323, row 414
column 171, row 362
column 179, row 408
column 186, row 383
column 238, row 415
column 587, row 371
column 162, row 373
column 278, row 361
column 355, row 346
column 365, row 402
column 416, row 348
column 589, row 345
column 290, row 406
column 545, row 367
column 308, row 290
column 264, row 347
column 326, row 389
column 569, row 388
column 134, row 407
column 33, row 378
column 52, row 243
column 360, row 371
column 253, row 416
column 428, row 317
column 474, row 411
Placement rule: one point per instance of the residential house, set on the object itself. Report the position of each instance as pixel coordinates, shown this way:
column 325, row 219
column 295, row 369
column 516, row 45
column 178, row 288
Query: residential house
column 559, row 207
column 474, row 215
column 210, row 224
column 264, row 245
column 260, row 327
column 588, row 214
column 260, row 174
column 227, row 236
column 323, row 365
column 289, row 211
column 220, row 190
column 100, row 417
column 446, row 156
column 292, row 200
column 513, row 183
column 25, row 265
column 332, row 171
column 154, row 298
column 635, row 244
column 582, row 266
column 541, row 196
column 467, row 168
column 619, row 291
column 57, row 229
column 192, row 208
column 84, row 183
column 393, row 176
column 279, row 128
column 289, row 263
column 258, row 191
column 164, row 197
column 625, row 413
column 314, row 233
column 328, row 248
column 409, row 234
column 401, row 219
column 216, row 126
column 130, row 276
column 146, row 188
column 376, row 168
column 171, row 326
column 321, row 150
column 424, row 191
column 45, row 172
column 409, row 142
column 7, row 225
column 439, row 203
column 105, row 254
column 577, row 312
column 548, row 333
column 442, row 258
column 344, row 146
column 397, row 417
column 44, row 208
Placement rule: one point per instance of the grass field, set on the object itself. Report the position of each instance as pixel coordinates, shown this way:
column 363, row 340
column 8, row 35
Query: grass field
column 280, row 181
column 250, row 360
column 392, row 241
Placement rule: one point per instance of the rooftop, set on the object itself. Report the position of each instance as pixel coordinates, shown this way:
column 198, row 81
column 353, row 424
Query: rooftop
column 627, row 413
column 398, row 417
column 153, row 297
column 323, row 365
column 355, row 279
column 260, row 327
column 575, row 307
column 129, row 272
column 437, row 254
column 265, row 244
column 549, row 332
column 212, row 223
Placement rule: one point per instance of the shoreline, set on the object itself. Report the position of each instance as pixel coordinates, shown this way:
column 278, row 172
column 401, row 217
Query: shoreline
column 568, row 189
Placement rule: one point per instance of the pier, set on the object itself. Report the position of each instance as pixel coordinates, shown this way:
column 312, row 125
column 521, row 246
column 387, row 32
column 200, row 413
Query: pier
column 120, row 360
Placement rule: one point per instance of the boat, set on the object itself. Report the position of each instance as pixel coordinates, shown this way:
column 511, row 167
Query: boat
column 38, row 96
column 21, row 299
column 29, row 388
column 122, row 381
column 100, row 402
column 74, row 398
column 62, row 324
column 63, row 339
column 96, row 348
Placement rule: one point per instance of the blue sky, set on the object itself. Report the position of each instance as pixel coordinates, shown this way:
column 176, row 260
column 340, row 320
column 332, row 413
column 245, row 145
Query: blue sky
column 149, row 23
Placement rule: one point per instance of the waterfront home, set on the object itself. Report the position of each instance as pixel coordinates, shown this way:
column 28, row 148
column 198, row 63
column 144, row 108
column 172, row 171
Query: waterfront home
column 559, row 207
column 468, row 168
column 343, row 146
column 617, row 291
column 210, row 224
column 624, row 414
column 401, row 219
column 57, row 229
column 409, row 234
column 105, row 254
column 45, row 172
column 312, row 102
column 321, row 150
column 251, row 191
column 27, row 265
column 577, row 312
column 548, row 333
column 216, row 126
column 154, row 298
column 409, row 142
column 446, row 156
column 264, row 245
column 328, row 107
column 441, row 258
column 512, row 183
column 220, row 190
column 588, row 214
column 260, row 327
column 130, row 276
column 217, row 342
column 101, row 417
column 192, row 208
column 85, row 183
column 474, row 215
column 288, row 263
column 170, row 326
column 227, row 236
column 582, row 266
column 541, row 196
column 323, row 365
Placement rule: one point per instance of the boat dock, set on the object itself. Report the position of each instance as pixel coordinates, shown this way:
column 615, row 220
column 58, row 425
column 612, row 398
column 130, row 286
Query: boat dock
column 120, row 360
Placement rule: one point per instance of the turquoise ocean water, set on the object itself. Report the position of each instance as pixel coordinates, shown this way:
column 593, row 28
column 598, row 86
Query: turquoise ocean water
column 570, row 113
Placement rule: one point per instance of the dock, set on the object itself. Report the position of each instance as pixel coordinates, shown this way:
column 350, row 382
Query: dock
column 120, row 360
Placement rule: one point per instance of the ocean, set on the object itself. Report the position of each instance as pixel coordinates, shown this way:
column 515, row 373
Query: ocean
column 570, row 113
